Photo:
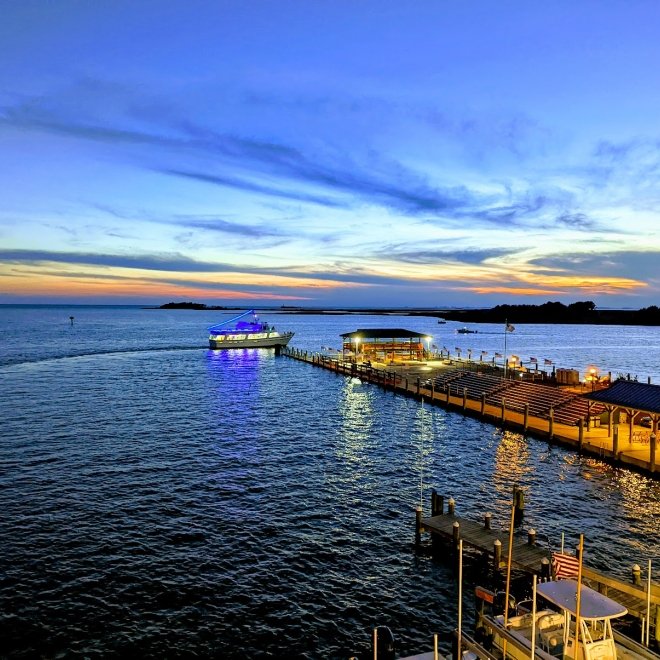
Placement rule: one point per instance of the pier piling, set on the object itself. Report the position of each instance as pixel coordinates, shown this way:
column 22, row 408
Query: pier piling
column 526, row 418
column 580, row 434
column 418, row 527
column 497, row 555
column 551, row 423
column 545, row 569
column 487, row 520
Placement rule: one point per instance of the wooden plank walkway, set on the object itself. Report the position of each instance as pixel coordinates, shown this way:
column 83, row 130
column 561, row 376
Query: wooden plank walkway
column 475, row 535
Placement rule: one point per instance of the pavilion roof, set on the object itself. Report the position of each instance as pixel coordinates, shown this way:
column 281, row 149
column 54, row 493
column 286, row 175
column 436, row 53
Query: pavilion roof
column 383, row 333
column 630, row 394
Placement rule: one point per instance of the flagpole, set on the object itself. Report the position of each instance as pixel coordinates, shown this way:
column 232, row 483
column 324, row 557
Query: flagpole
column 508, row 575
column 577, row 598
column 506, row 323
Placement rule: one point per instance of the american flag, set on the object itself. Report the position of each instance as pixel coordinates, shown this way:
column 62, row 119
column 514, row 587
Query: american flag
column 484, row 352
column 509, row 327
column 533, row 359
column 546, row 361
column 457, row 348
column 564, row 566
column 498, row 354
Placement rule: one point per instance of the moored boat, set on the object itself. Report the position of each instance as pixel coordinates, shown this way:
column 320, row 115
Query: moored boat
column 551, row 630
column 466, row 331
column 247, row 331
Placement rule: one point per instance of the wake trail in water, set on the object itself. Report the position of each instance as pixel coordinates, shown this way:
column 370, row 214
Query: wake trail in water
column 54, row 358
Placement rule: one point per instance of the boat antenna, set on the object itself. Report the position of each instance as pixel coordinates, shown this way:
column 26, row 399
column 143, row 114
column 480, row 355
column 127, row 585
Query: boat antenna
column 533, row 616
column 648, row 604
column 578, row 593
column 508, row 571
column 460, row 597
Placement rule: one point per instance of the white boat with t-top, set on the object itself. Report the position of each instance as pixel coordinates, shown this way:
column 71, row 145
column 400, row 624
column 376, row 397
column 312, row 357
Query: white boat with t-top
column 553, row 627
column 247, row 331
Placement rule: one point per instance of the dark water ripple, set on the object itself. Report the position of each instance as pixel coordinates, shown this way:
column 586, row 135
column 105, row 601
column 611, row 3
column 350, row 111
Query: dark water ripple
column 197, row 504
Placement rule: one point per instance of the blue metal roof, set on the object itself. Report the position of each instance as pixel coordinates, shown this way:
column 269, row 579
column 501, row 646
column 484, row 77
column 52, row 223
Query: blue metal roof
column 630, row 394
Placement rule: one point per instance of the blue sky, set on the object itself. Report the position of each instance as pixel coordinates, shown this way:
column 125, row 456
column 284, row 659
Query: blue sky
column 330, row 153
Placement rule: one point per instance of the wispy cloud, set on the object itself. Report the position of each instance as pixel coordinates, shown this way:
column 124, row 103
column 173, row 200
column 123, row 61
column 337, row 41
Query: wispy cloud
column 441, row 255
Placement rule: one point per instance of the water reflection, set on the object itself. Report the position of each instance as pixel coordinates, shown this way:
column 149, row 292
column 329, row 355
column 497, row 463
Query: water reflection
column 356, row 425
column 511, row 465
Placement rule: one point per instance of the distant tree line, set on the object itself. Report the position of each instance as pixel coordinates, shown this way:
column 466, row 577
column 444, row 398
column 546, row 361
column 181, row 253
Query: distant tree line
column 556, row 312
column 190, row 305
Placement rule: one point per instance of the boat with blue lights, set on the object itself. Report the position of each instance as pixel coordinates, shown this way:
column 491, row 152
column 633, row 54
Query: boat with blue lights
column 247, row 331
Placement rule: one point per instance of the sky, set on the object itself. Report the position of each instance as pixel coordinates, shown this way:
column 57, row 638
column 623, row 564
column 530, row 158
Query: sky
column 330, row 153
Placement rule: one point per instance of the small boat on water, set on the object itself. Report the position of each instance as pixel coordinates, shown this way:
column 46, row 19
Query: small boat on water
column 466, row 331
column 246, row 331
column 552, row 627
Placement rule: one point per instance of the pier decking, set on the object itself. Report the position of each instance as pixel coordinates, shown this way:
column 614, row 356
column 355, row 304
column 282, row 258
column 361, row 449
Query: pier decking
column 556, row 414
column 524, row 556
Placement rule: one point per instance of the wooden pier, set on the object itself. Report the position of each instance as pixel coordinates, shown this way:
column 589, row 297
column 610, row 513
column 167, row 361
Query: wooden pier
column 547, row 413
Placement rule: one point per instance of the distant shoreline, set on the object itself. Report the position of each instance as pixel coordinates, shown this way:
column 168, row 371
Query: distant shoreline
column 548, row 313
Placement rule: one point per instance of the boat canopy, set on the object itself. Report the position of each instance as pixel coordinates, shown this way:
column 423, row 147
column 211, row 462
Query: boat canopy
column 592, row 604
column 241, row 326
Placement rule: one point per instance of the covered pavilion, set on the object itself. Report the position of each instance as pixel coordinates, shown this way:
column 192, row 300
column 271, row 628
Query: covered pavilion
column 640, row 402
column 385, row 344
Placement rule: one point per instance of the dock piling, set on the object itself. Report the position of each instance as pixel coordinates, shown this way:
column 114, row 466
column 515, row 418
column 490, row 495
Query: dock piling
column 519, row 504
column 497, row 555
column 637, row 575
column 652, row 449
column 531, row 537
column 418, row 527
column 437, row 503
column 451, row 506
column 526, row 418
column 487, row 519
column 551, row 423
column 545, row 569
column 456, row 533
column 580, row 434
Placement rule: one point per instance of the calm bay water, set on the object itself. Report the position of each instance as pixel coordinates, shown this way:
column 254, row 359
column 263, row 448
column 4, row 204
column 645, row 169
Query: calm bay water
column 163, row 500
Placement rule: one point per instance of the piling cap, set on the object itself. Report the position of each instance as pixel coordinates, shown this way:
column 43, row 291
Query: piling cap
column 545, row 561
column 456, row 524
column 636, row 568
column 497, row 542
column 532, row 531
column 451, row 500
